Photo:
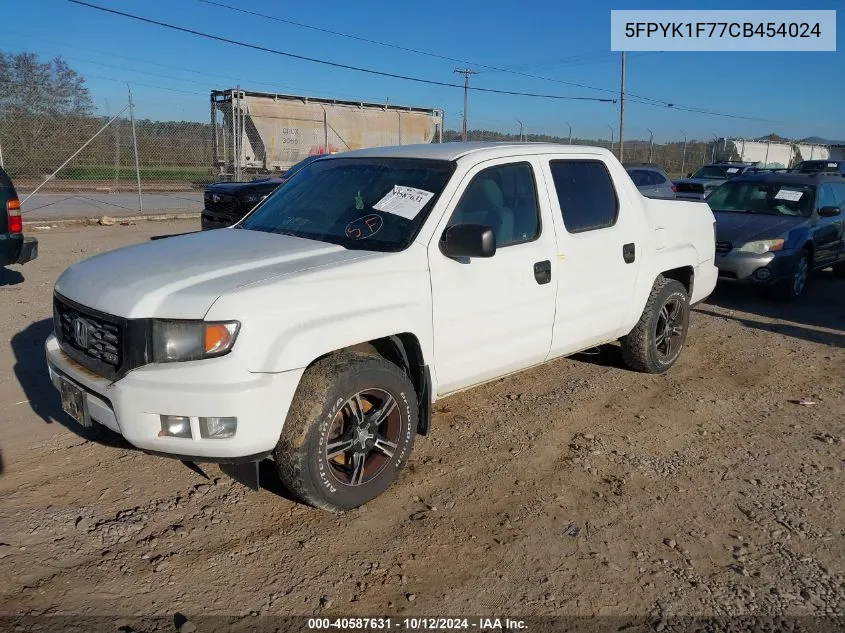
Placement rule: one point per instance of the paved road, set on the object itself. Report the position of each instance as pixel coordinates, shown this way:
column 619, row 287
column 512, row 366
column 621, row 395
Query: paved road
column 82, row 205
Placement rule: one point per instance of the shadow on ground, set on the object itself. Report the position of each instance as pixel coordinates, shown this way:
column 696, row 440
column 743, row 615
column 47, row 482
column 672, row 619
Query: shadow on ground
column 10, row 277
column 822, row 308
column 32, row 374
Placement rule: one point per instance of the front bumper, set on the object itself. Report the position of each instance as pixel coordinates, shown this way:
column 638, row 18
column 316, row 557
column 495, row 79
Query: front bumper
column 750, row 268
column 218, row 219
column 132, row 406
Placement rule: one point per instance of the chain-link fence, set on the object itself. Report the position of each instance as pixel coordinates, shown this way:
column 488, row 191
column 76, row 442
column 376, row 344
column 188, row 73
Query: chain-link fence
column 124, row 162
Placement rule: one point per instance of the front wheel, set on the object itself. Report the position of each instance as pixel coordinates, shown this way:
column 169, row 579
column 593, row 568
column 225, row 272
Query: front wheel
column 655, row 343
column 349, row 432
column 795, row 286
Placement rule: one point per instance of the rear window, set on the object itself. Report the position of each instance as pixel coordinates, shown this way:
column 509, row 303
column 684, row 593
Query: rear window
column 641, row 177
column 586, row 194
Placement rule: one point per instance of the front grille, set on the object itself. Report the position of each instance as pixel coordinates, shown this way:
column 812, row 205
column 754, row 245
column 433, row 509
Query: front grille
column 723, row 247
column 224, row 202
column 690, row 187
column 99, row 339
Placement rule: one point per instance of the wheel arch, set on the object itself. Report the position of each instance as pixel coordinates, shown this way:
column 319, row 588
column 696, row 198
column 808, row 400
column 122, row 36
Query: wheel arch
column 405, row 351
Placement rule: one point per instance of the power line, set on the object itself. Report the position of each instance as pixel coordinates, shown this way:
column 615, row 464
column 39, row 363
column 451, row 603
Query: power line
column 634, row 98
column 181, row 69
column 330, row 63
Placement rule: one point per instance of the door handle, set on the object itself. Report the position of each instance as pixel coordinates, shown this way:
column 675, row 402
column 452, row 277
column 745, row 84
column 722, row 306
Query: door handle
column 629, row 253
column 543, row 272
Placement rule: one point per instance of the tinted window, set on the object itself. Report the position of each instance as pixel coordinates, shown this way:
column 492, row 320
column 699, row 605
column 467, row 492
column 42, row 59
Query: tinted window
column 585, row 191
column 505, row 199
column 659, row 178
column 641, row 177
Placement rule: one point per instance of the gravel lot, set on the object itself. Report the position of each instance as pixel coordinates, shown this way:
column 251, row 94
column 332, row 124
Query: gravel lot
column 579, row 488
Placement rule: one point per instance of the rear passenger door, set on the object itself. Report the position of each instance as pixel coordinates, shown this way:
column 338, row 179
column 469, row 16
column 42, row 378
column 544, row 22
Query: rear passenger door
column 600, row 242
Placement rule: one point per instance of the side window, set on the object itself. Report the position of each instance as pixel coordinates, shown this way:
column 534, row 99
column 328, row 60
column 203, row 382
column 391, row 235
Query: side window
column 839, row 193
column 826, row 197
column 585, row 191
column 504, row 198
column 659, row 178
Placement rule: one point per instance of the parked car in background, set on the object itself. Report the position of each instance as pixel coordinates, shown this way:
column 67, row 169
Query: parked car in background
column 651, row 180
column 322, row 327
column 835, row 166
column 225, row 203
column 775, row 229
column 699, row 185
column 14, row 247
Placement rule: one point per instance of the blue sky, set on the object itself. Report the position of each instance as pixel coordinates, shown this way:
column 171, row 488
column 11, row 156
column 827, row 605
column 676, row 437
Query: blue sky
column 561, row 40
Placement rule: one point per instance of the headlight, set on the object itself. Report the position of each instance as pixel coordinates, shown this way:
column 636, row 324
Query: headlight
column 254, row 198
column 762, row 246
column 175, row 341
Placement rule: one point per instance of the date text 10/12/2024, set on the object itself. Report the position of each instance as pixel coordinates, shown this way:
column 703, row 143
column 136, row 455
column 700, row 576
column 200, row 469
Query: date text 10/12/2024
column 417, row 624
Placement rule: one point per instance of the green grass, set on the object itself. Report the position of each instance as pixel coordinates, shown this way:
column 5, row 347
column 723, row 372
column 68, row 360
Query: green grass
column 128, row 173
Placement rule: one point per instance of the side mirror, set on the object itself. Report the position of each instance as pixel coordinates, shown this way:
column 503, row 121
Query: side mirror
column 828, row 212
column 468, row 240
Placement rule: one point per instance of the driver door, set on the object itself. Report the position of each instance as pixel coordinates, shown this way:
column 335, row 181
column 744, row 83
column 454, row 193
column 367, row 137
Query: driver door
column 493, row 316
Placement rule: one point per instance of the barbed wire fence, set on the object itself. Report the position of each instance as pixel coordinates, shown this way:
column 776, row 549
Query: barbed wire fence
column 123, row 161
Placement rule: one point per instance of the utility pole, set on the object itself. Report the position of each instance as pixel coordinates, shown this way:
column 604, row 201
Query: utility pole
column 466, row 72
column 622, row 113
column 570, row 133
column 684, row 155
column 650, row 144
column 521, row 127
column 610, row 127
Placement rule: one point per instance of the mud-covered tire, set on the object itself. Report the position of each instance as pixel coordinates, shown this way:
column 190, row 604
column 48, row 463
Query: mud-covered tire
column 326, row 388
column 640, row 346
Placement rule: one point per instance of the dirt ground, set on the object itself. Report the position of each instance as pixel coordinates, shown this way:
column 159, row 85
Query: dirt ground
column 578, row 488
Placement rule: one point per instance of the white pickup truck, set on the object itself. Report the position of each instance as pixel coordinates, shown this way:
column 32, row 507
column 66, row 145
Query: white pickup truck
column 320, row 329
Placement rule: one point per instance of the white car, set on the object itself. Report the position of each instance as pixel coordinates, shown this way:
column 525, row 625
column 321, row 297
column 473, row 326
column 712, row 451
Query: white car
column 320, row 329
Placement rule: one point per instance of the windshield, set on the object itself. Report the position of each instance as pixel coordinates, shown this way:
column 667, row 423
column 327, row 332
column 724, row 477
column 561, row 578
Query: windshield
column 715, row 172
column 374, row 204
column 767, row 198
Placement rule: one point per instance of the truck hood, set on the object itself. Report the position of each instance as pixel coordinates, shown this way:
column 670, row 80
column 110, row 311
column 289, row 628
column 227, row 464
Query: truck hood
column 181, row 277
column 739, row 228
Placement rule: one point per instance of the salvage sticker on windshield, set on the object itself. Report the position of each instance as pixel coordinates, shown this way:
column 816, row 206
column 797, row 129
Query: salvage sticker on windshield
column 403, row 201
column 364, row 227
column 786, row 194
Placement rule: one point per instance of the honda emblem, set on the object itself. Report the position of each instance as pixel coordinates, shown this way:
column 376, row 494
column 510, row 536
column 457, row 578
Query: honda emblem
column 80, row 332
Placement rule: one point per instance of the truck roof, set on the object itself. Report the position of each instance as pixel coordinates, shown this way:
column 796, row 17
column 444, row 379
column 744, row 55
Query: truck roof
column 480, row 150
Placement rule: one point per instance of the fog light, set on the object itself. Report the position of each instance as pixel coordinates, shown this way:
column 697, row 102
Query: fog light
column 763, row 274
column 175, row 426
column 218, row 428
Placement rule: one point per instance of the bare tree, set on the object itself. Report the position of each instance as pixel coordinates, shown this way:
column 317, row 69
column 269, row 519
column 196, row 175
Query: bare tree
column 44, row 108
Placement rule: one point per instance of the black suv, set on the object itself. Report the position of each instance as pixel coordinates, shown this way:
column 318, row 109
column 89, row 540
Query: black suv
column 14, row 247
column 775, row 229
column 226, row 203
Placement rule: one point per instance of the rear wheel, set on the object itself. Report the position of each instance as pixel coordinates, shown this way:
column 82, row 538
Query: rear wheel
column 655, row 343
column 795, row 286
column 349, row 432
